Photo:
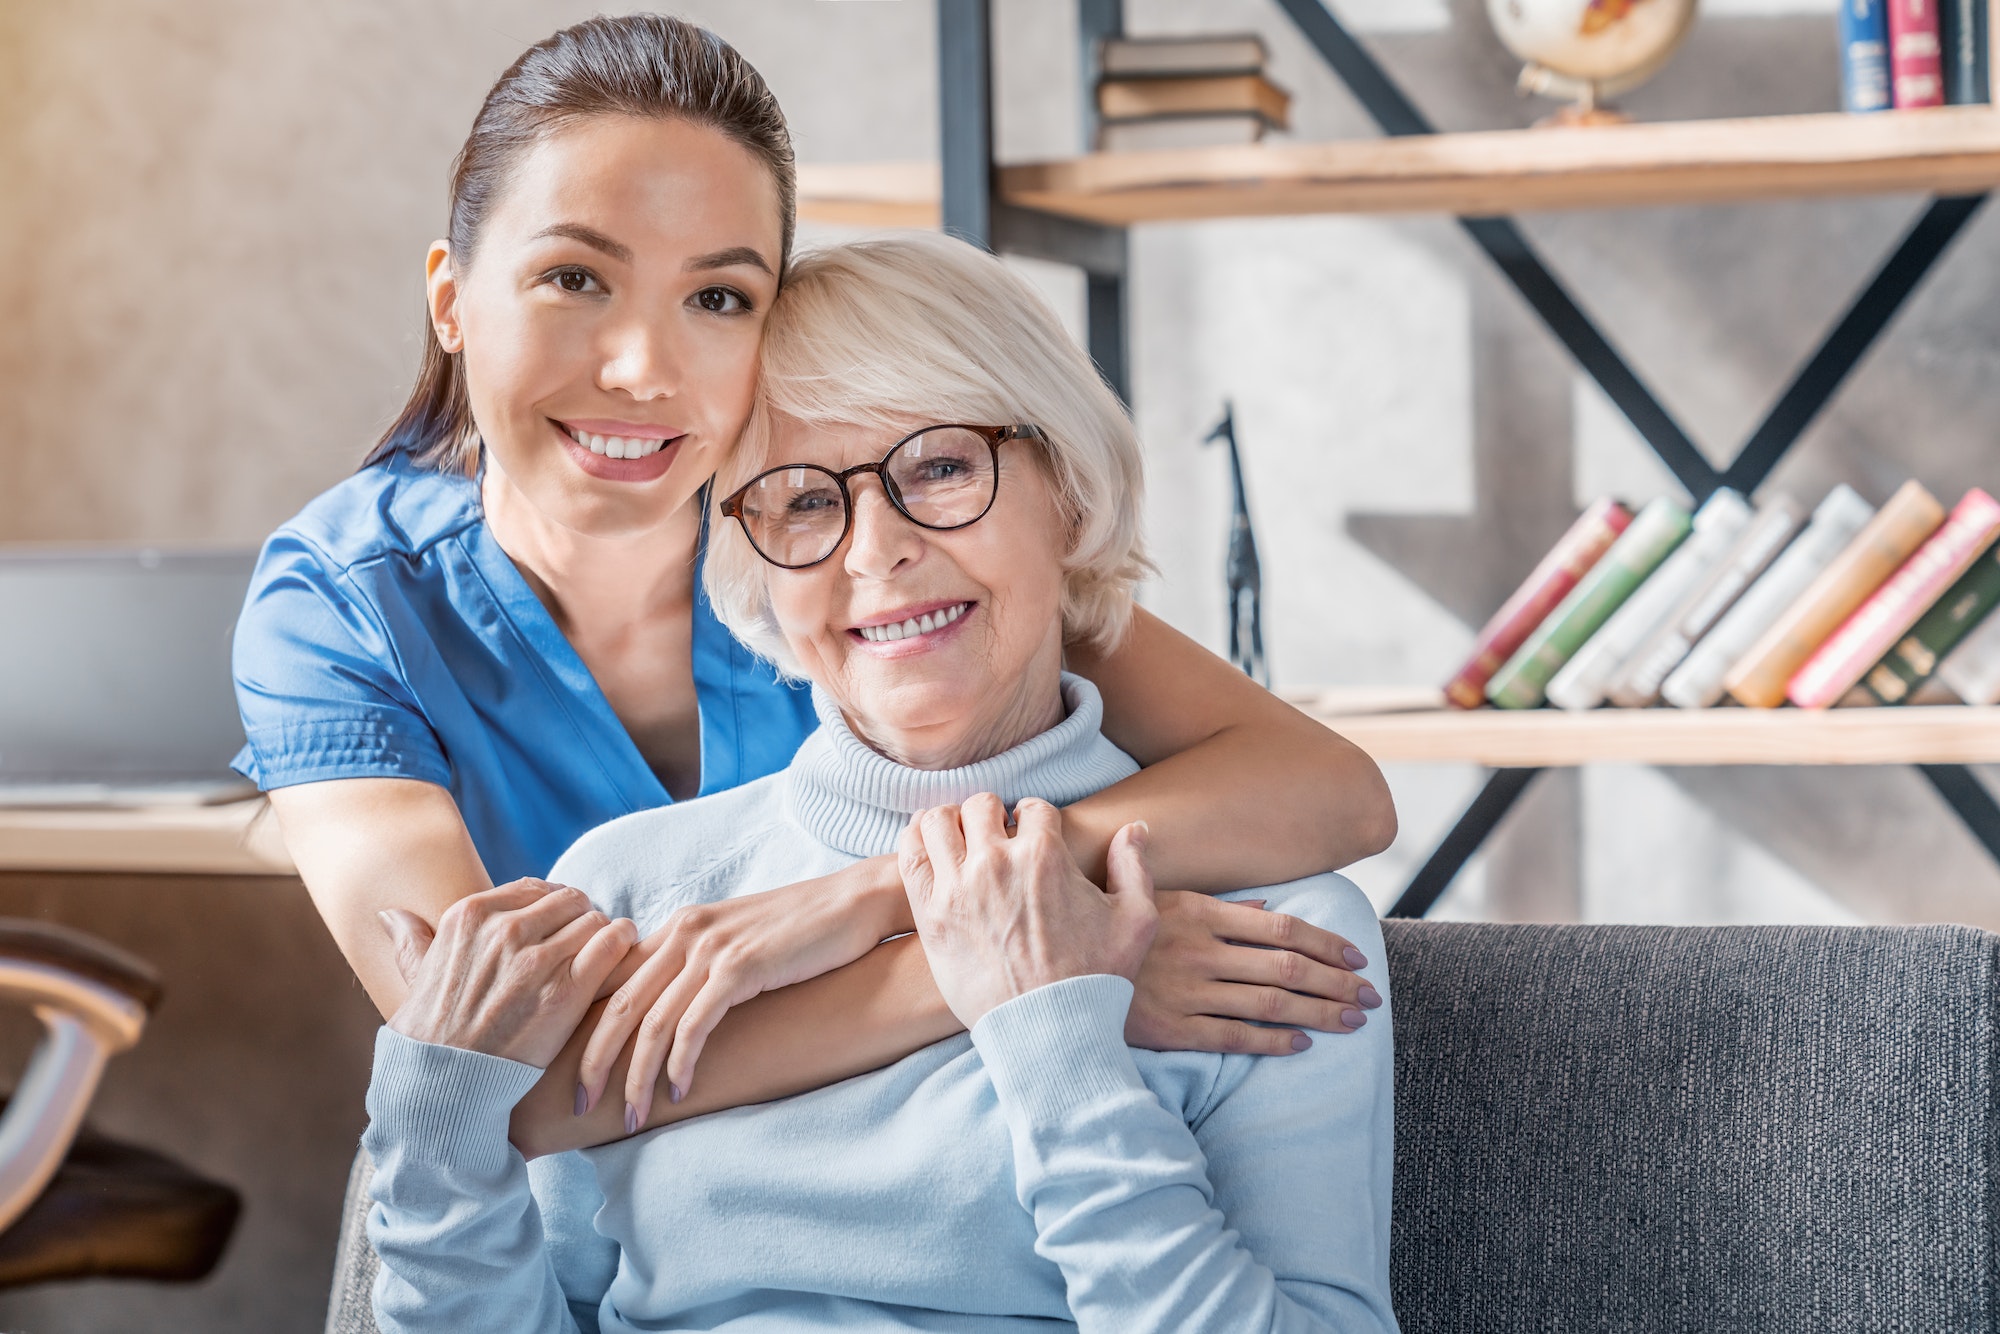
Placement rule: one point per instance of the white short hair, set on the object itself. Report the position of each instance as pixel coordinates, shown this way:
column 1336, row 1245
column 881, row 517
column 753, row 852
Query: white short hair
column 924, row 328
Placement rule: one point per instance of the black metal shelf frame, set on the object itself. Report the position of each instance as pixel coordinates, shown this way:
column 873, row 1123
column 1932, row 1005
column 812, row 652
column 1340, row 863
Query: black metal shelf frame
column 972, row 210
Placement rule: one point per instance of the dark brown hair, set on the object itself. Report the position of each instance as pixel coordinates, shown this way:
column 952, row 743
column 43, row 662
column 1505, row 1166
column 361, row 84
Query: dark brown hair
column 646, row 65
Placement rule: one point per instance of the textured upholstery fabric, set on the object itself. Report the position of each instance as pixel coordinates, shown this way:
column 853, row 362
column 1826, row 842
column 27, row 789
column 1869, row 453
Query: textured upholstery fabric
column 351, row 1310
column 1751, row 1130
column 1757, row 1130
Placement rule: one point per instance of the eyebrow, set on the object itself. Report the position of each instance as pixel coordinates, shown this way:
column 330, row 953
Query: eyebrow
column 589, row 236
column 726, row 259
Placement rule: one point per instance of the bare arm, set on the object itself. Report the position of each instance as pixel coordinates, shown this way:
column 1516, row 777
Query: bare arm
column 366, row 844
column 867, row 1015
column 1240, row 788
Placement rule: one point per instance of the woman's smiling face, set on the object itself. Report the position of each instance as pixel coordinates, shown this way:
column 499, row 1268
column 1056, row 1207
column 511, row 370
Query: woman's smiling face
column 986, row 676
column 612, row 308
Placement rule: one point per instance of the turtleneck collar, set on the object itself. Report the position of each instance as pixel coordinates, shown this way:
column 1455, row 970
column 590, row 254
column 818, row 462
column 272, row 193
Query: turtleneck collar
column 858, row 801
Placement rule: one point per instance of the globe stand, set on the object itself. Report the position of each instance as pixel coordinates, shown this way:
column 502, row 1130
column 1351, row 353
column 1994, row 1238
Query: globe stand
column 1588, row 107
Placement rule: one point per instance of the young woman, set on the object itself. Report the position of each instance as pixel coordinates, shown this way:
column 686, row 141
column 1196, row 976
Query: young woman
column 494, row 638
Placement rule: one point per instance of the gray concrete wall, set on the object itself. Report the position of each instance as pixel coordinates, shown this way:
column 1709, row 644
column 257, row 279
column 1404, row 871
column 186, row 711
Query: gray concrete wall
column 211, row 238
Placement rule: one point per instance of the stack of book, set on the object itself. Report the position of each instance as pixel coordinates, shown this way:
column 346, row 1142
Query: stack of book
column 1185, row 92
column 1846, row 605
column 1914, row 53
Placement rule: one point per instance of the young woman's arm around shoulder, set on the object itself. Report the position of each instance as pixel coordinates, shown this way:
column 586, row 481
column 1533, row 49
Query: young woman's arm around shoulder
column 1240, row 788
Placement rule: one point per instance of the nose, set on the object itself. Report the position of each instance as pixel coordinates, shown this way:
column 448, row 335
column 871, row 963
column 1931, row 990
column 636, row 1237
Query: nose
column 882, row 541
column 640, row 358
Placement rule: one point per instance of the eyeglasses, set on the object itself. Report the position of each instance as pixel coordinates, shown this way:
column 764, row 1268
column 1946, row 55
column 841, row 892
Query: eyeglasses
column 940, row 478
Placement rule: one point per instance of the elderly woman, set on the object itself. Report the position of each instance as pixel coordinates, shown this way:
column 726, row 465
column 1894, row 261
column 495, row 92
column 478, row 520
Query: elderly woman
column 935, row 495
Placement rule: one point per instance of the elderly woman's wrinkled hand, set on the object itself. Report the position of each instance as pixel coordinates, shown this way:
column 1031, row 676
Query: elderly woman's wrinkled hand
column 711, row 956
column 1001, row 915
column 508, row 971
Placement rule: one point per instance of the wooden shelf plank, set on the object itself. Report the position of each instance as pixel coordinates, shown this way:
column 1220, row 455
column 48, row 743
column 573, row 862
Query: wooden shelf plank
column 237, row 839
column 1949, row 150
column 1550, row 738
column 870, row 194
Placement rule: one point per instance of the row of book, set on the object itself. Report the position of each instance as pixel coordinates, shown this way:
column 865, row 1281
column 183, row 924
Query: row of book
column 1185, row 92
column 1847, row 605
column 1914, row 53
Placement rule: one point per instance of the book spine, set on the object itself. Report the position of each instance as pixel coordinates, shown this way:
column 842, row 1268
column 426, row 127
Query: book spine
column 1548, row 584
column 1864, row 55
column 1638, row 683
column 1906, row 667
column 1898, row 528
column 1835, row 523
column 1962, row 30
column 1522, row 681
column 1972, row 670
column 1585, row 678
column 1873, row 628
column 1916, row 71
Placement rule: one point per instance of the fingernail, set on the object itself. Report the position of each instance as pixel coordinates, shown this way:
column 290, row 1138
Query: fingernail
column 673, row 1092
column 1354, row 958
column 1370, row 998
column 1300, row 1042
column 1253, row 903
column 632, row 1113
column 1353, row 1019
column 582, row 1100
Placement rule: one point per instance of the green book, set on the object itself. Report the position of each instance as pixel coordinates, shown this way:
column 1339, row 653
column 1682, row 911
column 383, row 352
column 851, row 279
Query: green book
column 1523, row 681
column 1950, row 619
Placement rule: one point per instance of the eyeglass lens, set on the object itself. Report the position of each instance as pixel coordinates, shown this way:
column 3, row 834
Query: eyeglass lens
column 942, row 478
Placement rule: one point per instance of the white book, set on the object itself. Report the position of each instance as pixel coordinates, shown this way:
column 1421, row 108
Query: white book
column 1972, row 669
column 1638, row 681
column 1697, row 682
column 1140, row 136
column 1586, row 676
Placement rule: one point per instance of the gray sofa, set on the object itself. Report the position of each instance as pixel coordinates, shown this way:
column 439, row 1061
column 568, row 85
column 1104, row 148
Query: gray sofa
column 1607, row 1128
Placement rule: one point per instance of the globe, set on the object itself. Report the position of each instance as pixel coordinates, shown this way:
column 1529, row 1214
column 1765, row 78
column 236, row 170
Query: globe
column 1587, row 50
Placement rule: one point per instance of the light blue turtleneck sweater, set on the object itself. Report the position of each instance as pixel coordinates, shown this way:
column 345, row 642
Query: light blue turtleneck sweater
column 1034, row 1174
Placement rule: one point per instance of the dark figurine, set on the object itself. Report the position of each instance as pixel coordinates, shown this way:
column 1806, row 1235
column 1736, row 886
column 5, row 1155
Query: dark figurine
column 1246, row 614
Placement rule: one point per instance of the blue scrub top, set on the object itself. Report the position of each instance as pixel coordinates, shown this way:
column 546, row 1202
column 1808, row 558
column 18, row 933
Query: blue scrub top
column 387, row 635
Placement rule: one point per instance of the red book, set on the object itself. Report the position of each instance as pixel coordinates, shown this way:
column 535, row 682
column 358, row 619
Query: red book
column 1916, row 55
column 1874, row 627
column 1568, row 561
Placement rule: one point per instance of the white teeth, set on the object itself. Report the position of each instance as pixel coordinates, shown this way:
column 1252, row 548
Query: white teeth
column 916, row 625
column 616, row 446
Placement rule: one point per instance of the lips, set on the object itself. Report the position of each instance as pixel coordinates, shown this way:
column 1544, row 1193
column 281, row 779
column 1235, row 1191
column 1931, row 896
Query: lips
column 642, row 454
column 912, row 626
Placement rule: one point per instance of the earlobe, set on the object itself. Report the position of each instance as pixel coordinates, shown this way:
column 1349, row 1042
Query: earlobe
column 441, row 289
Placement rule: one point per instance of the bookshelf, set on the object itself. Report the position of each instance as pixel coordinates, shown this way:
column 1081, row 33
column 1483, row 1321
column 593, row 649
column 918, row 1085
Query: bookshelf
column 1948, row 151
column 1077, row 211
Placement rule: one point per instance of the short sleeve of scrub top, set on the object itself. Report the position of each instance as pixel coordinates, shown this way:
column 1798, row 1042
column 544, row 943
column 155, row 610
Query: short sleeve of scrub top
column 387, row 635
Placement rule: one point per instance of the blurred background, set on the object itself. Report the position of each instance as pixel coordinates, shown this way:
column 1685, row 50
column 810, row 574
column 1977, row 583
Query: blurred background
column 213, row 232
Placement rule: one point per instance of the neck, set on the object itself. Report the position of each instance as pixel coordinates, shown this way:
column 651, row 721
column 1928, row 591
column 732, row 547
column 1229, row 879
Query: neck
column 588, row 581
column 1033, row 707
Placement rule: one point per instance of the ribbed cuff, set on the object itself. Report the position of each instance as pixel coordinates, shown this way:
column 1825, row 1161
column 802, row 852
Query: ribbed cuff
column 444, row 1104
column 1059, row 1047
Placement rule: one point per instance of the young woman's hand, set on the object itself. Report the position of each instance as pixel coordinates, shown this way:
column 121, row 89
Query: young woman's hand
column 508, row 971
column 712, row 956
column 1205, row 986
column 1001, row 915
